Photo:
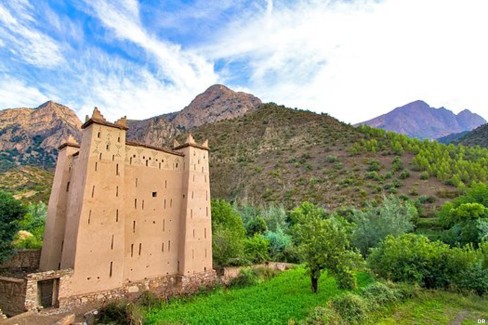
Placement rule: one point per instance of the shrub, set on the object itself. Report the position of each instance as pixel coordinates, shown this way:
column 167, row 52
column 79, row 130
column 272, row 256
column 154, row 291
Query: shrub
column 373, row 224
column 379, row 294
column 228, row 234
column 350, row 307
column 322, row 316
column 265, row 273
column 474, row 278
column 256, row 226
column 331, row 159
column 120, row 313
column 256, row 249
column 397, row 164
column 414, row 259
column 404, row 174
column 374, row 166
column 246, row 277
column 148, row 299
column 424, row 175
column 279, row 244
column 11, row 211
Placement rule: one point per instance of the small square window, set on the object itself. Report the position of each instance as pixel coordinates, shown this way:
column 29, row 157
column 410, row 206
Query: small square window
column 154, row 194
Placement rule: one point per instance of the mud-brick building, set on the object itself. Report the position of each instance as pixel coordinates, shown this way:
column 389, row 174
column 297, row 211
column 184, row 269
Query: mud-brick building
column 124, row 217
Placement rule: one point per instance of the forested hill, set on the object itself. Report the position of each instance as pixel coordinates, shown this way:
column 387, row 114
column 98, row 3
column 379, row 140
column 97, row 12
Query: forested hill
column 477, row 137
column 284, row 155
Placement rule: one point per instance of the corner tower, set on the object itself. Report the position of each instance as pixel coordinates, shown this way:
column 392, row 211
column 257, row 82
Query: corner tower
column 94, row 235
column 57, row 207
column 195, row 251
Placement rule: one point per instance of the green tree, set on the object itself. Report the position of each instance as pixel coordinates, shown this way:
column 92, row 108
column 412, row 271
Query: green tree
column 11, row 211
column 462, row 217
column 323, row 243
column 256, row 248
column 228, row 234
column 373, row 224
column 279, row 245
column 33, row 222
column 256, row 226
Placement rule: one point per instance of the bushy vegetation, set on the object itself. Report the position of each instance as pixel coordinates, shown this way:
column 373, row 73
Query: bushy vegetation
column 415, row 259
column 11, row 211
column 32, row 227
column 466, row 217
column 374, row 223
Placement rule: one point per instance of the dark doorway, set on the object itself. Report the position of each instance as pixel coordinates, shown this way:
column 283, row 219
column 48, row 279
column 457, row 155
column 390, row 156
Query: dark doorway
column 48, row 292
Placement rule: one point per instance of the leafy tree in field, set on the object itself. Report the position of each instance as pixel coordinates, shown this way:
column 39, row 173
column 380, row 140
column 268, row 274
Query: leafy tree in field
column 324, row 244
column 11, row 211
column 228, row 234
column 373, row 224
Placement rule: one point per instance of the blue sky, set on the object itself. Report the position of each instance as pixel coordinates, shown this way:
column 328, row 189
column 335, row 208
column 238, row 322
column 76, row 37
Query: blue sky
column 353, row 59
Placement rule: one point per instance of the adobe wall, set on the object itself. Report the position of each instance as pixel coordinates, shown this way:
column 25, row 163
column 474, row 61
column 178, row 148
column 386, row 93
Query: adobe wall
column 23, row 259
column 12, row 295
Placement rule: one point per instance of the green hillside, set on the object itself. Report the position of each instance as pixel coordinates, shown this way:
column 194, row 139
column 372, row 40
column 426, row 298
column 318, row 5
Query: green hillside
column 477, row 137
column 285, row 155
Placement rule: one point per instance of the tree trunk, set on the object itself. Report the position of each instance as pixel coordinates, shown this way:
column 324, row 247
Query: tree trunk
column 315, row 283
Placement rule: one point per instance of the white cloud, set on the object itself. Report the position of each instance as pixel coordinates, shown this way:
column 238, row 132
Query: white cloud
column 356, row 60
column 182, row 68
column 18, row 29
column 15, row 93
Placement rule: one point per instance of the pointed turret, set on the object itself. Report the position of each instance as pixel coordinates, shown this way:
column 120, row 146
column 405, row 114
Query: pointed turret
column 190, row 140
column 97, row 115
column 205, row 144
column 71, row 142
column 122, row 122
column 176, row 144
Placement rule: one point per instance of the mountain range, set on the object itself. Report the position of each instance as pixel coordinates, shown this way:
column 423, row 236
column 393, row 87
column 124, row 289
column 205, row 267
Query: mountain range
column 260, row 152
column 419, row 120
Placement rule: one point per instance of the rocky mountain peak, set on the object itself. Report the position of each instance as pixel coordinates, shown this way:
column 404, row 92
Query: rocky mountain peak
column 418, row 119
column 216, row 103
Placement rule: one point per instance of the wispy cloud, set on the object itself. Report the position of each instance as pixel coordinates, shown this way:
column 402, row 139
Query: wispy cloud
column 357, row 59
column 183, row 68
column 354, row 59
column 18, row 29
column 15, row 93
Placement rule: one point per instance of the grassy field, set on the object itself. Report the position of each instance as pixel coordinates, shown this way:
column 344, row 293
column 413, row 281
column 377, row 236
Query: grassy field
column 437, row 307
column 287, row 296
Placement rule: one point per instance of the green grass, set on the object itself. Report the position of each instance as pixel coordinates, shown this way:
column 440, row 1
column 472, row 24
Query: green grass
column 287, row 296
column 436, row 307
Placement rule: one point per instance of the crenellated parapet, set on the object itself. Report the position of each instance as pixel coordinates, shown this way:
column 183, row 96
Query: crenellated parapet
column 190, row 142
column 98, row 118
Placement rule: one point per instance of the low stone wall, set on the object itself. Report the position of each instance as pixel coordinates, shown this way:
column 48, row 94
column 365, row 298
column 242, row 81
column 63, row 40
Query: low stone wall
column 27, row 259
column 231, row 272
column 163, row 287
column 12, row 295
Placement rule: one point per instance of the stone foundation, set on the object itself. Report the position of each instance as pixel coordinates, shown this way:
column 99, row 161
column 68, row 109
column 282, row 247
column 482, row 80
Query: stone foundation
column 163, row 287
